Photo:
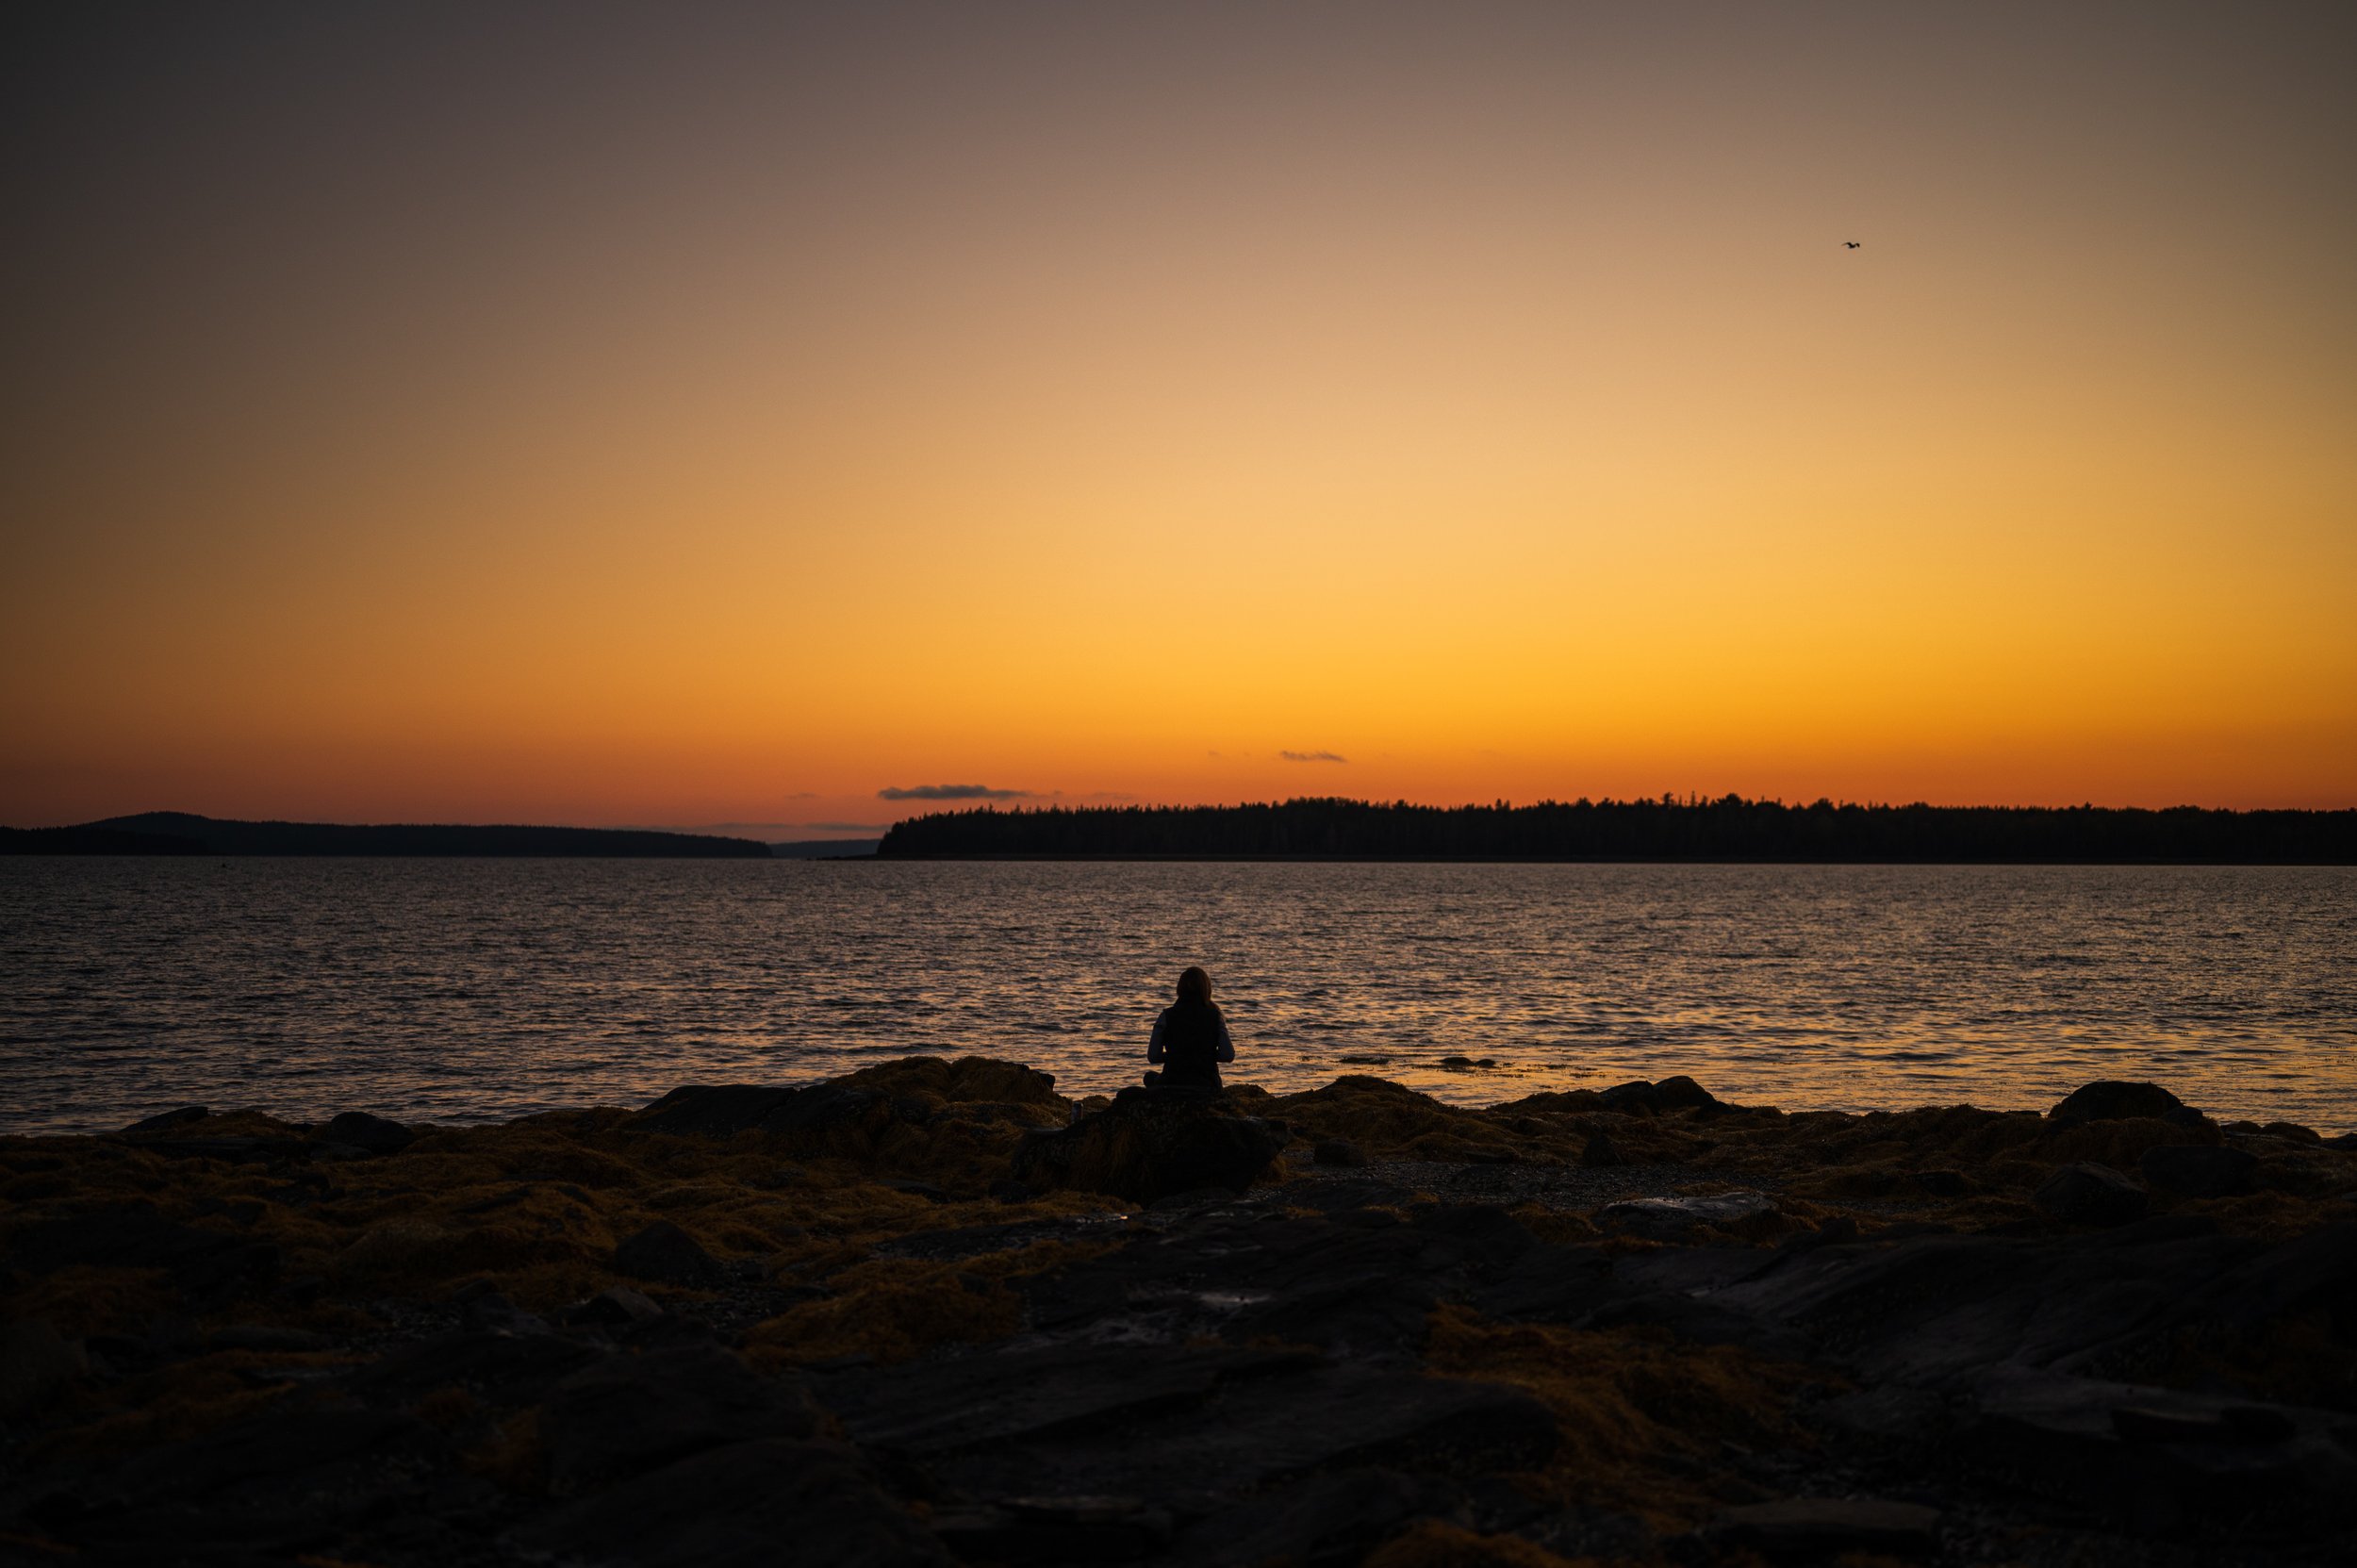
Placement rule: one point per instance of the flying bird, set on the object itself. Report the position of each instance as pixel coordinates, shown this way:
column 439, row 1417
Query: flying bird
column 1850, row 244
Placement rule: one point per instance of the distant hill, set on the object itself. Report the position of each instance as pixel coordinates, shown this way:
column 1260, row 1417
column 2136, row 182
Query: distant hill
column 1727, row 828
column 93, row 841
column 178, row 833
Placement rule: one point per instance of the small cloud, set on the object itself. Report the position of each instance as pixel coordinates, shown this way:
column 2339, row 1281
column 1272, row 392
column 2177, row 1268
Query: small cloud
column 1313, row 756
column 804, row 795
column 949, row 792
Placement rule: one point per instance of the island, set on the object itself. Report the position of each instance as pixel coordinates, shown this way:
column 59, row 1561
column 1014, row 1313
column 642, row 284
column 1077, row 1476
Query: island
column 1729, row 829
column 175, row 832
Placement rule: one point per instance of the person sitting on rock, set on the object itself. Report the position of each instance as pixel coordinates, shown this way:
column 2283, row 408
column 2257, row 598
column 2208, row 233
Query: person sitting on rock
column 1189, row 1038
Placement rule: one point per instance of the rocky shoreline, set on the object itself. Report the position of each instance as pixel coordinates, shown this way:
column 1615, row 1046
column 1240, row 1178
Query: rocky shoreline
column 935, row 1312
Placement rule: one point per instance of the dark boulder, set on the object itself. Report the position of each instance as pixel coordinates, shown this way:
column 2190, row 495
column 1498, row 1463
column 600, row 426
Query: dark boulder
column 1149, row 1145
column 1669, row 1093
column 2114, row 1100
column 614, row 1307
column 669, row 1255
column 1338, row 1152
column 164, row 1121
column 712, row 1110
column 2090, row 1194
column 1671, row 1218
column 370, row 1134
column 1601, row 1152
column 2197, row 1170
column 722, row 1110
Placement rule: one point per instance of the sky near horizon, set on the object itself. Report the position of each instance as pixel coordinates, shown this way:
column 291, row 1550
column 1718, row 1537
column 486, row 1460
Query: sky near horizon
column 691, row 415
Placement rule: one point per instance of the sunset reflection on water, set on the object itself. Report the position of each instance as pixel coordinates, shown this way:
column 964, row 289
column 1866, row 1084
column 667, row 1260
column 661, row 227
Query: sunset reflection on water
column 468, row 991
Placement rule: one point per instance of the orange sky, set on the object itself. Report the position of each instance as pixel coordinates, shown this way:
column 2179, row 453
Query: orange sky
column 682, row 418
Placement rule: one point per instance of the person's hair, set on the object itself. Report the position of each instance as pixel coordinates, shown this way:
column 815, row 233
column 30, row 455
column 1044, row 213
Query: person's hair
column 1195, row 985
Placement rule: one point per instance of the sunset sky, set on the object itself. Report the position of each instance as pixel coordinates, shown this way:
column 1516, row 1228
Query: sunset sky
column 688, row 415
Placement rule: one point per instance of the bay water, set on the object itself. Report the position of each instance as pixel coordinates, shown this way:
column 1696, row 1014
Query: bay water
column 474, row 990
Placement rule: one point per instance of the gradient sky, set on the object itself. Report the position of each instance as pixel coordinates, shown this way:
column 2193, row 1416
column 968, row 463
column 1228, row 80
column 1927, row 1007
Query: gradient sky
column 689, row 415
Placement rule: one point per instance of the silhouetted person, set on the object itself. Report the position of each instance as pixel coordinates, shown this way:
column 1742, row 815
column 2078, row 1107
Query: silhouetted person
column 1189, row 1038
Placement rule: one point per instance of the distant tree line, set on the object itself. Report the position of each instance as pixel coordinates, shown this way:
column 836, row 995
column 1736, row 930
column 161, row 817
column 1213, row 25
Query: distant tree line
column 1727, row 828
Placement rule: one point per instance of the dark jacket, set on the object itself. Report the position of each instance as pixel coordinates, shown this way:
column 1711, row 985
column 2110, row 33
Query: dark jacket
column 1191, row 1040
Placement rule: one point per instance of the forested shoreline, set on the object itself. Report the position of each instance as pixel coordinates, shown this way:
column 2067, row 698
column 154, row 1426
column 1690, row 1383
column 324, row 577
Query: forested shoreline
column 1727, row 828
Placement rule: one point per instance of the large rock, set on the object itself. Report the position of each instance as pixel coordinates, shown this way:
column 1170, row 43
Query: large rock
column 2199, row 1170
column 2114, row 1100
column 370, row 1134
column 164, row 1121
column 1175, row 1423
column 1150, row 1144
column 2090, row 1194
column 669, row 1255
column 1669, row 1218
column 1669, row 1093
column 624, row 1415
column 842, row 1114
column 2161, row 1461
column 1940, row 1311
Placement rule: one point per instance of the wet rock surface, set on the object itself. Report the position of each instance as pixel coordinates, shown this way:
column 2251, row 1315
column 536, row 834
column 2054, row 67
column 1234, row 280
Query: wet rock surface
column 2090, row 1194
column 910, row 1317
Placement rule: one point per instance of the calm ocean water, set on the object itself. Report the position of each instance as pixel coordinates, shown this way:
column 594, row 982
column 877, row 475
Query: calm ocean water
column 474, row 990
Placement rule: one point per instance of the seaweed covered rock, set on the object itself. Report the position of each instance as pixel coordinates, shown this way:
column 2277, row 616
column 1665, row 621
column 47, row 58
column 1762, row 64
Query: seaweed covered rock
column 1148, row 1145
column 669, row 1255
column 918, row 1113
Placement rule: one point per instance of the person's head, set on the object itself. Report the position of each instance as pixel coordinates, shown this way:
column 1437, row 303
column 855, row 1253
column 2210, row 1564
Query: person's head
column 1195, row 985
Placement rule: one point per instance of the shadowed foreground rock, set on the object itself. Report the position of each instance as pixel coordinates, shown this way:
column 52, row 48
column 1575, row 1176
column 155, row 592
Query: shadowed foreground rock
column 918, row 1315
column 1152, row 1143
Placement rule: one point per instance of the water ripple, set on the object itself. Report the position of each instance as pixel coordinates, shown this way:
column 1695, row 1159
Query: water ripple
column 470, row 990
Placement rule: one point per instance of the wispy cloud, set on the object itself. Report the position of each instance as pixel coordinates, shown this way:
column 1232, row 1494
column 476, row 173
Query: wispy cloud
column 841, row 827
column 949, row 792
column 1313, row 756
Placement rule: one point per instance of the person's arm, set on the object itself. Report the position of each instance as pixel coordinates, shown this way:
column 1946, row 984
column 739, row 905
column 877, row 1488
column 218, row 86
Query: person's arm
column 1226, row 1051
column 1154, row 1045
